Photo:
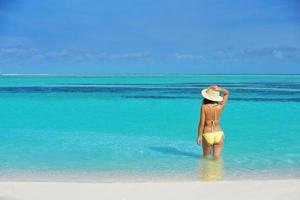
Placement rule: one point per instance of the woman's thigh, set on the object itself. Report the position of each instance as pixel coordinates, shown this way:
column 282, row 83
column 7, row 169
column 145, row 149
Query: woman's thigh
column 218, row 148
column 206, row 147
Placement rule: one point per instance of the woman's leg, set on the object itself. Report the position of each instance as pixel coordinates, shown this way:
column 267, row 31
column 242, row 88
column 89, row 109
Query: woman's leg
column 206, row 148
column 218, row 147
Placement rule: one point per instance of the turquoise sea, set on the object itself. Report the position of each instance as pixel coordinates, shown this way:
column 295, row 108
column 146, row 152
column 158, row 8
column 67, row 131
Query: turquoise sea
column 144, row 127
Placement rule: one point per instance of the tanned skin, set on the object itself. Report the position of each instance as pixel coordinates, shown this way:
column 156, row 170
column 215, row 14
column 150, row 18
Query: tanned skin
column 205, row 124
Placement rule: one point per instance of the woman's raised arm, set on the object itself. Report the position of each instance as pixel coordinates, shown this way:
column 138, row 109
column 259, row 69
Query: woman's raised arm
column 225, row 94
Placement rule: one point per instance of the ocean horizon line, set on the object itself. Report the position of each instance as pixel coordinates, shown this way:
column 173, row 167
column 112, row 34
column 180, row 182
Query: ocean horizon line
column 141, row 74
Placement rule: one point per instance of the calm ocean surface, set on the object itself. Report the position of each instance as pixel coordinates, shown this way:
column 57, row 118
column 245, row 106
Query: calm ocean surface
column 116, row 128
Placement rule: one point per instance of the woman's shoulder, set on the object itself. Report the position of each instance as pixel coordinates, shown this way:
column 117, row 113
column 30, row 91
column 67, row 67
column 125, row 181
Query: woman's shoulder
column 204, row 106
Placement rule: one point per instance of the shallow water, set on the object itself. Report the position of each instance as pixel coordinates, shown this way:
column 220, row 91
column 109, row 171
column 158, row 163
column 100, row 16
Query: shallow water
column 112, row 128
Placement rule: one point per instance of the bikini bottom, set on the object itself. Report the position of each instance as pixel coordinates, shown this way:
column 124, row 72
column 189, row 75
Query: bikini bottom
column 213, row 137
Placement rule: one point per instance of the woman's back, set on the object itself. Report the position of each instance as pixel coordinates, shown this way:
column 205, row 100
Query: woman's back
column 213, row 114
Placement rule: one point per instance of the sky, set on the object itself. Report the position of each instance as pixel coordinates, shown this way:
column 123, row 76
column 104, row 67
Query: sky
column 150, row 36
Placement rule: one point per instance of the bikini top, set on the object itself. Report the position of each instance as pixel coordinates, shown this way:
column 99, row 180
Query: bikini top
column 214, row 120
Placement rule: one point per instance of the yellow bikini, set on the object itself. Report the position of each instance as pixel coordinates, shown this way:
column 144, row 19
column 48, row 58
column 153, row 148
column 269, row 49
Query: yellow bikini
column 213, row 137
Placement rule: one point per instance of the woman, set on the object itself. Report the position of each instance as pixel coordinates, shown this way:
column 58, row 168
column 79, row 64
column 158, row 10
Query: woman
column 209, row 125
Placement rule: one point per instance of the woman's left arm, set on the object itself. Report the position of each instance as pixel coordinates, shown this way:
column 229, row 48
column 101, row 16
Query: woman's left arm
column 201, row 125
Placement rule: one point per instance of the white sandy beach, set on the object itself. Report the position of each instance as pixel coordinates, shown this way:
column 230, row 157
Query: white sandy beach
column 252, row 189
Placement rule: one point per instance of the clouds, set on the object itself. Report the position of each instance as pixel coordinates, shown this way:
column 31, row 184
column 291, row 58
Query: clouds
column 188, row 57
column 286, row 53
column 276, row 54
column 16, row 54
column 224, row 54
column 132, row 55
column 67, row 55
column 22, row 54
column 258, row 55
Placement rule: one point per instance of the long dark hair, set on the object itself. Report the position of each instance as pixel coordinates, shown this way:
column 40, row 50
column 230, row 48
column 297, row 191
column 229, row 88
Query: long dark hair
column 207, row 101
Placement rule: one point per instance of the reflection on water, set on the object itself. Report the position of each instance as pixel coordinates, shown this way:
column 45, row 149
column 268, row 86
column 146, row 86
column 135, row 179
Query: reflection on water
column 211, row 169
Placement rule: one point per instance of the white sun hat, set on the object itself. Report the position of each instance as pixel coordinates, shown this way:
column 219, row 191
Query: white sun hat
column 211, row 94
